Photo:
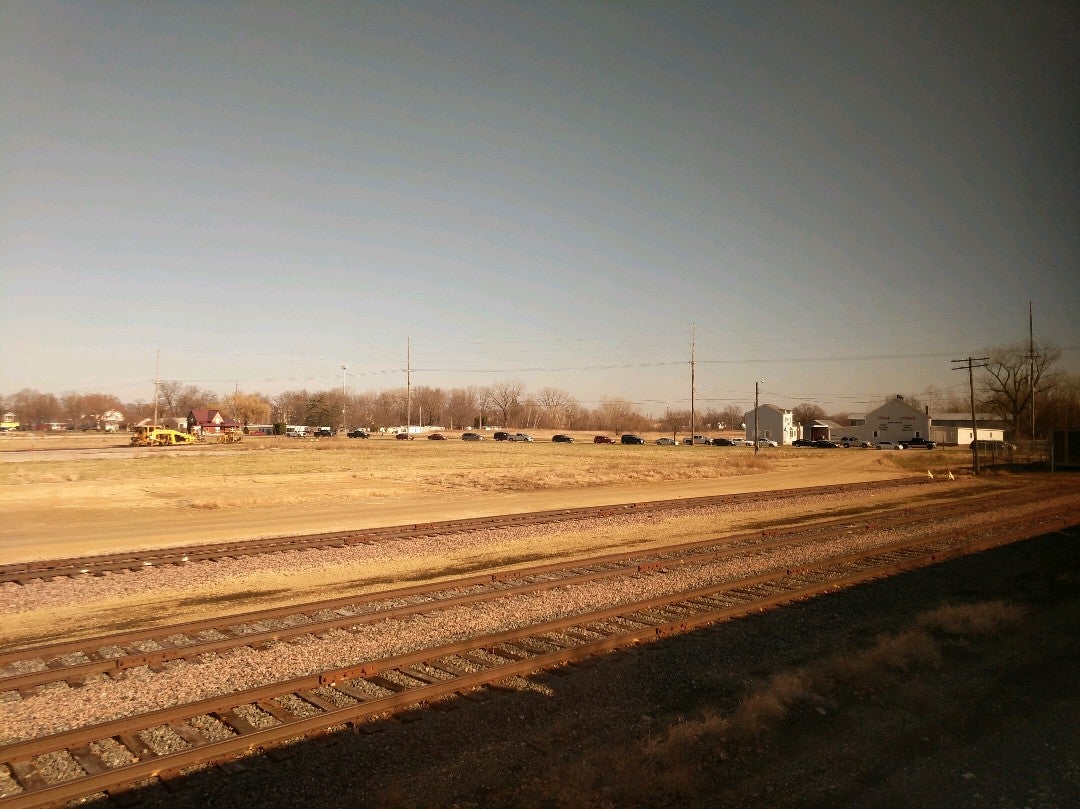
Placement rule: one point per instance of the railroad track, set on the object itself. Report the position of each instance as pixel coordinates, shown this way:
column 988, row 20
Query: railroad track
column 159, row 744
column 23, row 670
column 75, row 567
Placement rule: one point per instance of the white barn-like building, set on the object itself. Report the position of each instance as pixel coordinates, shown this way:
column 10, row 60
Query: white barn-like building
column 772, row 422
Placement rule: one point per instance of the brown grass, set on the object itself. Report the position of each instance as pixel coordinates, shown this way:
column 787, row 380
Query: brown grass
column 661, row 770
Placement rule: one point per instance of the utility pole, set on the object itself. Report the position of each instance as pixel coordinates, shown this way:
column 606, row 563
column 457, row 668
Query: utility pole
column 408, row 386
column 692, row 371
column 157, row 387
column 971, row 366
column 1031, row 359
column 756, row 395
column 344, row 424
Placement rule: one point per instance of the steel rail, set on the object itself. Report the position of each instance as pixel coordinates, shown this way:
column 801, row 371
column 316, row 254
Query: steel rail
column 74, row 567
column 367, row 690
column 55, row 661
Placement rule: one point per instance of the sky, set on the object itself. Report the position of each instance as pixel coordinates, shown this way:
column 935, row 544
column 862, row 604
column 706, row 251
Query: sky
column 834, row 200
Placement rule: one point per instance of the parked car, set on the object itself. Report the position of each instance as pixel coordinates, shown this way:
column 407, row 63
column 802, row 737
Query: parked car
column 802, row 442
column 723, row 442
column 852, row 441
column 499, row 435
column 919, row 442
column 824, row 443
column 436, row 437
column 888, row 445
column 741, row 442
column 562, row 439
column 403, row 437
column 471, row 437
column 697, row 439
column 357, row 434
column 519, row 437
column 666, row 442
column 630, row 438
column 324, row 432
column 766, row 442
column 603, row 439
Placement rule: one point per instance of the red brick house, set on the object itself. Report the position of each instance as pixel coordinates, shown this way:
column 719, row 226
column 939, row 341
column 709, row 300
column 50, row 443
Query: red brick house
column 210, row 421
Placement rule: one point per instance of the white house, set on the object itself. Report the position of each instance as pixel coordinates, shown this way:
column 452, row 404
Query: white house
column 771, row 422
column 896, row 420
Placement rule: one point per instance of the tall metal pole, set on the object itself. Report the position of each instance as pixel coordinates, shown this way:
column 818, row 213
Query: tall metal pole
column 692, row 371
column 408, row 386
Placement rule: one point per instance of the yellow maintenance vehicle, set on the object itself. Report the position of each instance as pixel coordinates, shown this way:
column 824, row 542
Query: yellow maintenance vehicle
column 228, row 437
column 147, row 436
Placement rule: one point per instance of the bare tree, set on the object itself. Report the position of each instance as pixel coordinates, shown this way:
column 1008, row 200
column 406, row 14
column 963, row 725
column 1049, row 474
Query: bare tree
column 1010, row 376
column 289, row 407
column 619, row 415
column 1059, row 406
column 463, row 406
column 806, row 413
column 361, row 409
column 506, row 397
column 557, row 406
column 33, row 408
column 429, row 404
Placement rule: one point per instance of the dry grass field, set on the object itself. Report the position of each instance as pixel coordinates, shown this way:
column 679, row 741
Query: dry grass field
column 75, row 494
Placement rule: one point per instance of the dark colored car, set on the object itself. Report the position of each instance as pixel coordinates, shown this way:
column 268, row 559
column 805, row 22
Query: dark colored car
column 723, row 442
column 357, row 434
column 920, row 443
column 500, row 436
column 629, row 438
column 603, row 439
column 562, row 439
column 802, row 442
column 471, row 437
column 324, row 432
column 822, row 443
column 436, row 437
column 403, row 437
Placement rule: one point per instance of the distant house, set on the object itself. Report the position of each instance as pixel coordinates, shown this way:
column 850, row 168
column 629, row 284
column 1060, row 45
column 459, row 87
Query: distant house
column 9, row 422
column 111, row 420
column 955, row 428
column 896, row 420
column 210, row 421
column 771, row 422
column 823, row 429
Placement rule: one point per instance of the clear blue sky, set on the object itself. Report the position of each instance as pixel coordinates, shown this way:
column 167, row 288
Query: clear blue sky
column 840, row 198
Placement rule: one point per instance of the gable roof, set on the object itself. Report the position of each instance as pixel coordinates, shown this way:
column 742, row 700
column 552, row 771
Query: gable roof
column 207, row 417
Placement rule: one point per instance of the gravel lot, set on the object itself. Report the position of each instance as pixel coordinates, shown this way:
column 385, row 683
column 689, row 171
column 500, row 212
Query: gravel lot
column 993, row 724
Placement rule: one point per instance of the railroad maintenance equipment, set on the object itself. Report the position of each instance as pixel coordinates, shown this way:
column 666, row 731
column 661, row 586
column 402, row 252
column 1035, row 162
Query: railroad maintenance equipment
column 147, row 436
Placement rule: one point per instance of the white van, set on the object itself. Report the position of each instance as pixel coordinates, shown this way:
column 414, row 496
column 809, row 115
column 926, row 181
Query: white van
column 293, row 431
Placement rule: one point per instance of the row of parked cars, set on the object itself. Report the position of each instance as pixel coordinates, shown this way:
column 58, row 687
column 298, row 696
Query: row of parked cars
column 629, row 438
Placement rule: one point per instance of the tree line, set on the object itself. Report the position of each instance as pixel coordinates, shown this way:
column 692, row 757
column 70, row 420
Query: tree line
column 1005, row 390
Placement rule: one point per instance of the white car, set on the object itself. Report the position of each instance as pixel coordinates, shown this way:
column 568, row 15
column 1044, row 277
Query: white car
column 766, row 442
column 742, row 442
column 888, row 445
column 519, row 437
